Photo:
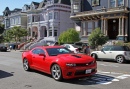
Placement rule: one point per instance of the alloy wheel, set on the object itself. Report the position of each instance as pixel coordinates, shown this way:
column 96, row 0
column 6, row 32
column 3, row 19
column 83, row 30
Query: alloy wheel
column 120, row 59
column 56, row 72
column 26, row 65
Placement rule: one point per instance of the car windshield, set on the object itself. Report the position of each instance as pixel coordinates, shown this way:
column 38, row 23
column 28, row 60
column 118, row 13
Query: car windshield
column 57, row 51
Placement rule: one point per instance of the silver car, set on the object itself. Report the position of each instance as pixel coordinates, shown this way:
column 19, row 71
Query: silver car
column 119, row 54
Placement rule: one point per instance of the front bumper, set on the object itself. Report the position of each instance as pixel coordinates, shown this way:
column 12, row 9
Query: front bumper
column 77, row 72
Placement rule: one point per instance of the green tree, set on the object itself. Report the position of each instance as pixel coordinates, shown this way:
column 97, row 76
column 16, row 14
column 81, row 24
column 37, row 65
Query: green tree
column 15, row 33
column 69, row 36
column 1, row 28
column 97, row 38
column 1, row 38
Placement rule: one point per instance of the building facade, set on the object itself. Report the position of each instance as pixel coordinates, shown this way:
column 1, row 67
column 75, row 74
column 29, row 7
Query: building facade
column 111, row 16
column 14, row 18
column 49, row 18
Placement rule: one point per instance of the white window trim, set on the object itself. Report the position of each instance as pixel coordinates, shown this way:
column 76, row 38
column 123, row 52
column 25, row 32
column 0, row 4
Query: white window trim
column 56, row 14
column 116, row 3
column 78, row 4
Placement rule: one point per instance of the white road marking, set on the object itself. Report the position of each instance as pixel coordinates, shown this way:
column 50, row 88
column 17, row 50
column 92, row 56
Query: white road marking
column 109, row 65
column 106, row 78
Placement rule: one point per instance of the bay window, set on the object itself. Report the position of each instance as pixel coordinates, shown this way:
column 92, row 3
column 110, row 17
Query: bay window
column 50, row 15
column 55, row 15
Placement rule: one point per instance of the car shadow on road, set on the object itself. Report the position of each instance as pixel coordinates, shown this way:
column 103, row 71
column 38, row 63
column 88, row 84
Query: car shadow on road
column 39, row 72
column 4, row 74
column 93, row 80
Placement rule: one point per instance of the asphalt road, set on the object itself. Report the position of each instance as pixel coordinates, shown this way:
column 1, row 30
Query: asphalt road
column 110, row 75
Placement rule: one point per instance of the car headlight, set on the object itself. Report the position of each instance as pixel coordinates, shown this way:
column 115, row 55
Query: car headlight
column 93, row 61
column 70, row 64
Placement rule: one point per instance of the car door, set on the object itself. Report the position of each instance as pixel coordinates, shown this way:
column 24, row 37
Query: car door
column 37, row 60
column 105, row 52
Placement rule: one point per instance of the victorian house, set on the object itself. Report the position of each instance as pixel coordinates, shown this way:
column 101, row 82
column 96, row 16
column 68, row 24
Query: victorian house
column 47, row 19
column 111, row 16
column 14, row 18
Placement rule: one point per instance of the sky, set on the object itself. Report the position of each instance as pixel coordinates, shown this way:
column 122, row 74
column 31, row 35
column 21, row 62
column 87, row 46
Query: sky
column 12, row 4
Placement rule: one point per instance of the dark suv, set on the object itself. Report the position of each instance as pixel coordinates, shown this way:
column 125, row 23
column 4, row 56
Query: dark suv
column 80, row 45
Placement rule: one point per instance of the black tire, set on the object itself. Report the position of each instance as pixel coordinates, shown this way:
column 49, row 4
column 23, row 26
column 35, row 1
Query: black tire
column 26, row 65
column 120, row 59
column 56, row 72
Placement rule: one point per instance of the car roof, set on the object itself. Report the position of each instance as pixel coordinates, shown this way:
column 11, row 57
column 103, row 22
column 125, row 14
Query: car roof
column 49, row 47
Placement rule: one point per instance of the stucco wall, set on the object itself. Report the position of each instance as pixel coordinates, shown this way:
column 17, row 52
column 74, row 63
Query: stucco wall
column 65, row 21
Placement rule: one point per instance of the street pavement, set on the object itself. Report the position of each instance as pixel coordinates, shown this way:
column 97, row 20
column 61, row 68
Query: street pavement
column 110, row 75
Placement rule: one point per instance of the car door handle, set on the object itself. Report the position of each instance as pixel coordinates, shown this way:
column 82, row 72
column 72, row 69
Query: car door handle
column 110, row 52
column 33, row 57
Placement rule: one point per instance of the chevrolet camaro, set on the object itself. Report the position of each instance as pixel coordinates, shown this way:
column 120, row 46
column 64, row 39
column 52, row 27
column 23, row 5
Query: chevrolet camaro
column 59, row 62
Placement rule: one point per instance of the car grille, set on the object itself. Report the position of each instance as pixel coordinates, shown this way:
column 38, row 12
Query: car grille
column 82, row 72
column 83, row 64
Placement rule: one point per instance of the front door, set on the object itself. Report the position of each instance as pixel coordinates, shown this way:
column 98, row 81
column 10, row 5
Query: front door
column 113, row 25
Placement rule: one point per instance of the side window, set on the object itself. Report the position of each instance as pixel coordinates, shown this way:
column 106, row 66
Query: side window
column 118, row 48
column 107, row 48
column 38, row 51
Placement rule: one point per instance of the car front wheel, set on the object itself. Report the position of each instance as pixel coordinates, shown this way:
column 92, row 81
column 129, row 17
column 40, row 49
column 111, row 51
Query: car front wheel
column 120, row 59
column 94, row 56
column 26, row 65
column 56, row 72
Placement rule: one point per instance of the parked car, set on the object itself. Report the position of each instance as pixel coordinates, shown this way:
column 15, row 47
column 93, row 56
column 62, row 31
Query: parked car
column 3, row 48
column 80, row 45
column 72, row 47
column 117, row 53
column 59, row 61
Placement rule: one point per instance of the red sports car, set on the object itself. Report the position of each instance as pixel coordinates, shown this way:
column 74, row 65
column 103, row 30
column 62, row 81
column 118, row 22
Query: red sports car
column 59, row 61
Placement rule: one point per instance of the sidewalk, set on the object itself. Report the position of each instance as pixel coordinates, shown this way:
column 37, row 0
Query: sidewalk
column 17, row 50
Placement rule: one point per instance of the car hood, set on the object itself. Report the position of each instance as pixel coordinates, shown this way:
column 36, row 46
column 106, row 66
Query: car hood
column 75, row 58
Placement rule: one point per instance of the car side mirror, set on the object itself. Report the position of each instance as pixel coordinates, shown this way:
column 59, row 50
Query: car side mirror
column 102, row 50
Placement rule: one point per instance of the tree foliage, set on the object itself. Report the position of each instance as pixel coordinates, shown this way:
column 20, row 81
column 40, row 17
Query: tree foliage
column 69, row 36
column 97, row 38
column 1, row 28
column 15, row 33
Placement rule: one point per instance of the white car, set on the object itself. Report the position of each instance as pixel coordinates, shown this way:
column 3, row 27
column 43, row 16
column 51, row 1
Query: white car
column 71, row 47
column 119, row 54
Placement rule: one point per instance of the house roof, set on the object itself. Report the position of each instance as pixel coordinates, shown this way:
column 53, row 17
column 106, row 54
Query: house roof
column 67, row 2
column 36, row 3
column 42, row 4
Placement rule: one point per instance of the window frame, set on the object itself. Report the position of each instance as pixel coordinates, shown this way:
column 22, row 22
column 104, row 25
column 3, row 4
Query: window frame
column 114, row 1
column 77, row 5
column 34, row 50
column 123, row 2
column 97, row 3
column 50, row 15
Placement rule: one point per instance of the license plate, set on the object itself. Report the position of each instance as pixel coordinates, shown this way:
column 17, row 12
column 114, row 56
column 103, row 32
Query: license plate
column 88, row 71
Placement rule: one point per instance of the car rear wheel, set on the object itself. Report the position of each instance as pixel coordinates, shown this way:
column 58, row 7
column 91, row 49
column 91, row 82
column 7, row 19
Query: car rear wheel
column 120, row 59
column 56, row 72
column 26, row 65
